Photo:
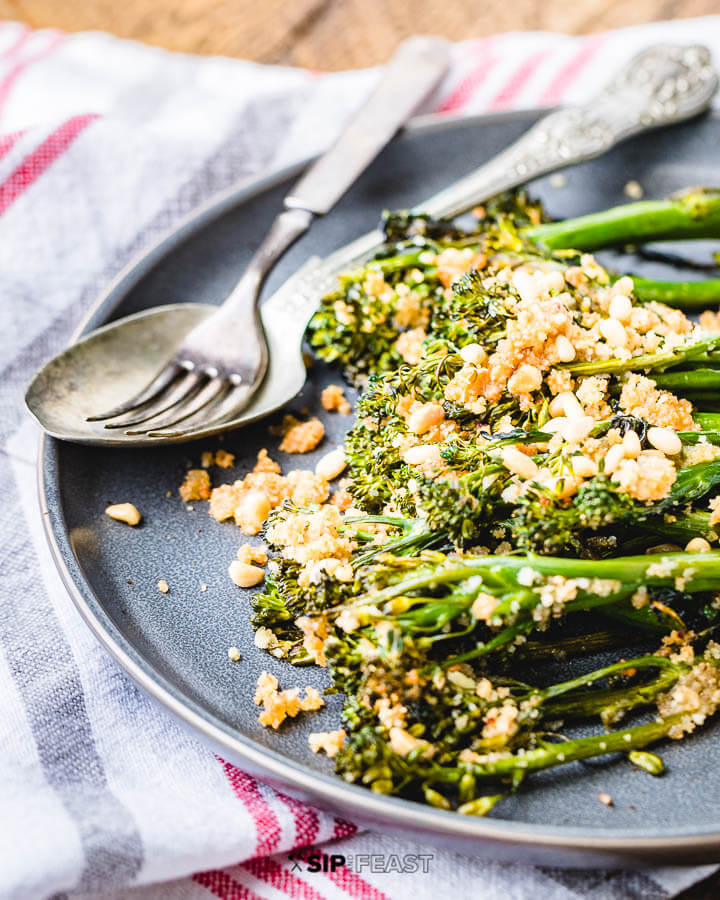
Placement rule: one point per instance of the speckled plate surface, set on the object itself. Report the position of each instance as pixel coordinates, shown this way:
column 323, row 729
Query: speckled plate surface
column 175, row 645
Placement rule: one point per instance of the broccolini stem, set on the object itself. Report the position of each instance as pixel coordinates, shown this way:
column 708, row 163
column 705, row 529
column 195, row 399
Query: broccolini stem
column 695, row 214
column 610, row 703
column 640, row 662
column 689, row 295
column 648, row 362
column 548, row 755
column 689, row 380
column 707, row 421
column 629, row 570
column 577, row 645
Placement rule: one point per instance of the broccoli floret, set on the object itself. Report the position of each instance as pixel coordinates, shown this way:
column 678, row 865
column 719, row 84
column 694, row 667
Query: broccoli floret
column 543, row 522
column 404, row 225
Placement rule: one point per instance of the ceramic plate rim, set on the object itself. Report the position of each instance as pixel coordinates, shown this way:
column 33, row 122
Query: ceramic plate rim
column 682, row 844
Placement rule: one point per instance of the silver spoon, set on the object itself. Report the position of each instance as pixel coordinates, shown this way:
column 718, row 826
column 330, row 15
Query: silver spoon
column 662, row 85
column 211, row 370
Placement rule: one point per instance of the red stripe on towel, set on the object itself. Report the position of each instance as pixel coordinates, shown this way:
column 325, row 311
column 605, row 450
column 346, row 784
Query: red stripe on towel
column 517, row 81
column 224, row 886
column 42, row 157
column 343, row 829
column 555, row 91
column 8, row 141
column 17, row 44
column 307, row 821
column 270, row 871
column 464, row 90
column 267, row 825
column 347, row 880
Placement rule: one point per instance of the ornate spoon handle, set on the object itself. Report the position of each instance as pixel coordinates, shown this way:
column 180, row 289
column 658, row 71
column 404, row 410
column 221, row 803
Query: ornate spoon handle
column 664, row 84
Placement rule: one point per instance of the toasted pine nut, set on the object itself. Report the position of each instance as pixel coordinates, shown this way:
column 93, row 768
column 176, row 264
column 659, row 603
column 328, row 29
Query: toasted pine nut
column 124, row 512
column 332, row 464
column 525, row 380
column 631, row 445
column 620, row 308
column 422, row 454
column 474, row 353
column 245, row 575
column 697, row 545
column 526, row 285
column 571, row 406
column 565, row 349
column 578, row 429
column 518, row 462
column 554, row 280
column 583, row 466
column 424, row 417
column 555, row 425
column 252, row 511
column 624, row 286
column 664, row 439
column 613, row 458
column 613, row 332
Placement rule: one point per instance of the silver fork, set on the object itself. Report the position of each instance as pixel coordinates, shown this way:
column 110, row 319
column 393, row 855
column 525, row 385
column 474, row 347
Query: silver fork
column 220, row 364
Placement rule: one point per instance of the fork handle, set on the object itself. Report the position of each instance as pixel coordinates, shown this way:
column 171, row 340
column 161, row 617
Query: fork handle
column 414, row 70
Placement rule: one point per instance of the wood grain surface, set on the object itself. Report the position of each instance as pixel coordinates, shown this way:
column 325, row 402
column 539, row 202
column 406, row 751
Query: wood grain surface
column 332, row 34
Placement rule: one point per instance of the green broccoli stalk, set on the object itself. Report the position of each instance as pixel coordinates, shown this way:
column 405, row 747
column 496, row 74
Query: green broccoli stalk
column 687, row 295
column 692, row 351
column 695, row 214
column 467, row 743
column 506, row 597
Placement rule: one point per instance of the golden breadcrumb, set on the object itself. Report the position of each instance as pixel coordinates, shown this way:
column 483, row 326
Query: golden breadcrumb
column 715, row 511
column 224, row 460
column 333, row 399
column 279, row 705
column 301, row 437
column 249, row 554
column 328, row 741
column 409, row 310
column 196, row 486
column 710, row 320
column 640, row 397
column 649, row 477
column 453, row 262
column 409, row 345
column 265, row 464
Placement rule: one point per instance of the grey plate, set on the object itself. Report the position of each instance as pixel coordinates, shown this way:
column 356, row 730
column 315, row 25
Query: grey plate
column 175, row 645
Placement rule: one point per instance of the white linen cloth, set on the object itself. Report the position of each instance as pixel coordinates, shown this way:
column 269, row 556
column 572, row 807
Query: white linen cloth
column 105, row 144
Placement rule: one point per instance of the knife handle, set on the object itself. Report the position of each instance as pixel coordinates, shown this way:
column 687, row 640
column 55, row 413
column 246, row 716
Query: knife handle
column 414, row 70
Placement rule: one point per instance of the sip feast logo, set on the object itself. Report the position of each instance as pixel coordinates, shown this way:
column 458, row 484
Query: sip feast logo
column 376, row 863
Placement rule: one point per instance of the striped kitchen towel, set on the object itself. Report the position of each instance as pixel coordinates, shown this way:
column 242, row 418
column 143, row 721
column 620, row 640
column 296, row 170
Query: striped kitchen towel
column 105, row 144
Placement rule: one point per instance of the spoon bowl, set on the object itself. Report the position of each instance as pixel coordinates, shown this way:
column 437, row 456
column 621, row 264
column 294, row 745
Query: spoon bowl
column 101, row 369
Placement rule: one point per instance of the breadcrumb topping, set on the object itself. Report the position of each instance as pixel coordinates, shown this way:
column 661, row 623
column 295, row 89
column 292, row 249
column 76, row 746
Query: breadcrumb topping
column 330, row 742
column 409, row 345
column 280, row 705
column 640, row 397
column 301, row 437
column 333, row 399
column 196, row 486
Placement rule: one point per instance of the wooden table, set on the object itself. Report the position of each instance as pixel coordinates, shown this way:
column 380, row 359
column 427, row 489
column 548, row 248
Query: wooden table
column 332, row 34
